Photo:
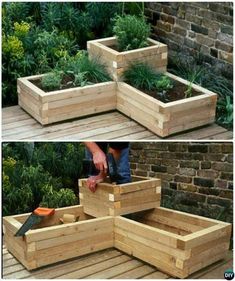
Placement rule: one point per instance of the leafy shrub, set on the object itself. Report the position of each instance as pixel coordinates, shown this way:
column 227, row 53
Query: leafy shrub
column 57, row 199
column 131, row 32
column 51, row 81
column 43, row 173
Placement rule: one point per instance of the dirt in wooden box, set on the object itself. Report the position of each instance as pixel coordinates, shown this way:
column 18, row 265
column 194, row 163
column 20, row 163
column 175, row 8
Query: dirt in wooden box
column 178, row 92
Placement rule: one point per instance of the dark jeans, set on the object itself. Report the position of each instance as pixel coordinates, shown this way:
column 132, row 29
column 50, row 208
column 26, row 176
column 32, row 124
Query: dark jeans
column 123, row 165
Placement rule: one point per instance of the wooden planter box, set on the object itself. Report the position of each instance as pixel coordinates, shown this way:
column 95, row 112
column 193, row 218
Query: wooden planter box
column 175, row 242
column 54, row 106
column 52, row 241
column 111, row 199
column 165, row 119
column 116, row 62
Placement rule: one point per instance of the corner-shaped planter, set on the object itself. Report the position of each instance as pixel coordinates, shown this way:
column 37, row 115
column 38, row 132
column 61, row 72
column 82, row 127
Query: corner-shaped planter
column 52, row 241
column 118, row 199
column 165, row 119
column 117, row 62
column 175, row 242
column 54, row 106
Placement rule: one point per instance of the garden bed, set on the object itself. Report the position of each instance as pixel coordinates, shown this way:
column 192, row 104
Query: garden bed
column 54, row 106
column 175, row 242
column 165, row 119
column 52, row 241
column 118, row 199
column 117, row 62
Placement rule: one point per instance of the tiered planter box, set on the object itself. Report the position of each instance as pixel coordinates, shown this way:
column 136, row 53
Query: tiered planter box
column 52, row 241
column 54, row 106
column 175, row 242
column 165, row 119
column 118, row 199
column 117, row 62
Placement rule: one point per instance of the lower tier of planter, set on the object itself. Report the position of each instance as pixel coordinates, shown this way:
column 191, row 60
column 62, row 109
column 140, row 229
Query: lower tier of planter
column 165, row 119
column 52, row 241
column 175, row 242
column 55, row 106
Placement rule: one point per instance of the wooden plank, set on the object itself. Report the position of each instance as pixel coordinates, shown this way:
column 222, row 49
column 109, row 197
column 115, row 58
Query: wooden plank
column 149, row 232
column 115, row 270
column 136, row 273
column 86, row 91
column 203, row 236
column 156, row 275
column 121, row 235
column 67, row 229
column 187, row 217
column 70, row 250
column 84, row 272
column 75, row 264
column 18, row 275
column 142, row 185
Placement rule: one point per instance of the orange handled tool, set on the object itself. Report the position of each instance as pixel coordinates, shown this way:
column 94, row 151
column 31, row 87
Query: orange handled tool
column 35, row 218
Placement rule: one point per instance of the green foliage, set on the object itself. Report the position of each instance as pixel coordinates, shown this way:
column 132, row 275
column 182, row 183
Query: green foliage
column 51, row 81
column 36, row 35
column 35, row 172
column 57, row 199
column 144, row 77
column 77, row 71
column 141, row 76
column 206, row 77
column 101, row 17
column 163, row 84
column 225, row 111
column 131, row 32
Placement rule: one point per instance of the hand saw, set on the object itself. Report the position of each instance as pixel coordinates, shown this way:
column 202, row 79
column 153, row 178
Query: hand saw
column 35, row 218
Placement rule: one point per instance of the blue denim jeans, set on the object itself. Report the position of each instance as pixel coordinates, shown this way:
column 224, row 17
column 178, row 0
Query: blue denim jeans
column 123, row 165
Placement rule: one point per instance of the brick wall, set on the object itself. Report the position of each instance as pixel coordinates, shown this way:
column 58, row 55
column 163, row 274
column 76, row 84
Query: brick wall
column 190, row 28
column 196, row 177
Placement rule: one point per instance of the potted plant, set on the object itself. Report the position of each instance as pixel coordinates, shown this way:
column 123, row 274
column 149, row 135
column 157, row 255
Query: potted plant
column 78, row 86
column 131, row 43
column 164, row 103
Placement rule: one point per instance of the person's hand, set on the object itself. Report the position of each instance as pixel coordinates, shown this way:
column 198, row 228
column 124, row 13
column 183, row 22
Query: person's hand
column 94, row 180
column 100, row 162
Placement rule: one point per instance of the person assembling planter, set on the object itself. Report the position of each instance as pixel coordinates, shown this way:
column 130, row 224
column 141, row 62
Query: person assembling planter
column 96, row 151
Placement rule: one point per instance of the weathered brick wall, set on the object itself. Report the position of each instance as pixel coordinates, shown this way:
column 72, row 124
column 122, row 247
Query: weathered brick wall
column 190, row 28
column 196, row 177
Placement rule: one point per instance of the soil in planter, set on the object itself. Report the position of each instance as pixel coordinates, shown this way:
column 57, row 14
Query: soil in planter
column 66, row 83
column 174, row 94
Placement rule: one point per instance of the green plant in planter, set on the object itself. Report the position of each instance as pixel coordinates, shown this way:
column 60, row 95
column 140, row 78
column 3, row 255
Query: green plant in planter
column 141, row 76
column 163, row 84
column 51, row 81
column 131, row 32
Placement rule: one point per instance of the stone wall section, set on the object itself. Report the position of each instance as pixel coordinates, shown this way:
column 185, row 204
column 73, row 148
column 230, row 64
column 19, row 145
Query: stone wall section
column 196, row 177
column 194, row 29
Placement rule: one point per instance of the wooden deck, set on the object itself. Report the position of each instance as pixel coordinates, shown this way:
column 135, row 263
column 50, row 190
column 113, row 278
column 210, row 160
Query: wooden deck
column 18, row 125
column 107, row 264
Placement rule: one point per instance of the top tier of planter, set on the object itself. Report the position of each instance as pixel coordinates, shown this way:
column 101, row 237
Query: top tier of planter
column 117, row 62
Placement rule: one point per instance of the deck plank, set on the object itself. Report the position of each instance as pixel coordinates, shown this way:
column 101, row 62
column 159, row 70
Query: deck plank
column 110, row 263
column 19, row 125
